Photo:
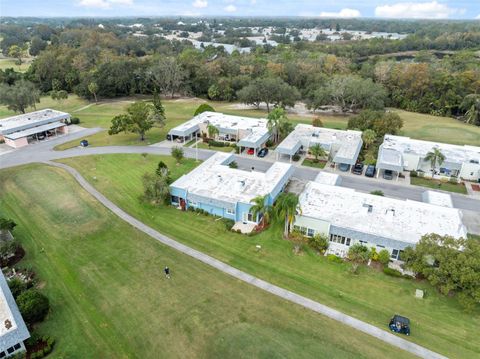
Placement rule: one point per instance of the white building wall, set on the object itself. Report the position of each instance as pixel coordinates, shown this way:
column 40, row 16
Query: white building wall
column 411, row 161
column 470, row 171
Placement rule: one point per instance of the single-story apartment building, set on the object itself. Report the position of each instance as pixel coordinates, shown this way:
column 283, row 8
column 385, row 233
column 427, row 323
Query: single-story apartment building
column 18, row 131
column 342, row 146
column 13, row 331
column 247, row 132
column 347, row 217
column 398, row 153
column 227, row 192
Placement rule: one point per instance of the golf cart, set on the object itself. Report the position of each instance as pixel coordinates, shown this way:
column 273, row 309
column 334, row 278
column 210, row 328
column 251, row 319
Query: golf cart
column 399, row 324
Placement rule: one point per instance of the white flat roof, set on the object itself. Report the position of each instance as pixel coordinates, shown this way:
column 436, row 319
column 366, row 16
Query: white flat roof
column 32, row 119
column 256, row 126
column 437, row 198
column 453, row 153
column 401, row 220
column 213, row 179
column 328, row 178
column 34, row 130
column 348, row 142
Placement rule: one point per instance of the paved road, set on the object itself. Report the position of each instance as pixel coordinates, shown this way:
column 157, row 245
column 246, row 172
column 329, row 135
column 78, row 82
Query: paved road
column 44, row 152
column 383, row 335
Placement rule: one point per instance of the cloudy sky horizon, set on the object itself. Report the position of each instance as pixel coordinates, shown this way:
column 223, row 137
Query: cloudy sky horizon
column 400, row 9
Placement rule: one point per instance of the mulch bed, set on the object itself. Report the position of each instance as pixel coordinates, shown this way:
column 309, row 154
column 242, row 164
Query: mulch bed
column 476, row 187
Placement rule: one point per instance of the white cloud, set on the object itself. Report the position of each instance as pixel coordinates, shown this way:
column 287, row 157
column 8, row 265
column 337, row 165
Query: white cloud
column 345, row 13
column 200, row 3
column 423, row 10
column 103, row 4
column 230, row 8
column 253, row 2
column 477, row 17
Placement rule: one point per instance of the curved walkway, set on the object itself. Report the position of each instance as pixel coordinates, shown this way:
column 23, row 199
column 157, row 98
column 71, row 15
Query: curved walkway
column 245, row 277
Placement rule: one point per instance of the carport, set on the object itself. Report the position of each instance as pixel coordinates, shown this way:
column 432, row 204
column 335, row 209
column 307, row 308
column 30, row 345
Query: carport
column 389, row 159
column 184, row 132
column 20, row 138
column 255, row 140
column 288, row 147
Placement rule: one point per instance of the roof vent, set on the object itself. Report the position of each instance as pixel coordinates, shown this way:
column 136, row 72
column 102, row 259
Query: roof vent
column 369, row 207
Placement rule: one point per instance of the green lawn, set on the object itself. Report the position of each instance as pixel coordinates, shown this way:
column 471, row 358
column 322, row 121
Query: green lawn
column 311, row 163
column 437, row 184
column 7, row 63
column 425, row 127
column 222, row 149
column 438, row 322
column 109, row 298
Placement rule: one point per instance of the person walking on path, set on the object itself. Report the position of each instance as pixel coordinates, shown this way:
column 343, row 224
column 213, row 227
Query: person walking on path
column 167, row 272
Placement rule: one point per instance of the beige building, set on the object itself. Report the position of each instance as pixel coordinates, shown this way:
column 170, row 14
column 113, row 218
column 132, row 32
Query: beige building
column 19, row 131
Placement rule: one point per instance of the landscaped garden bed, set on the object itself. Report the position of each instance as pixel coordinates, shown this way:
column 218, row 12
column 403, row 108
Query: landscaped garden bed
column 312, row 163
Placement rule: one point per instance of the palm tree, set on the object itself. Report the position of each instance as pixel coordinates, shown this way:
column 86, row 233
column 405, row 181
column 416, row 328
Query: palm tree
column 261, row 207
column 274, row 119
column 212, row 131
column 435, row 156
column 369, row 136
column 317, row 151
column 286, row 208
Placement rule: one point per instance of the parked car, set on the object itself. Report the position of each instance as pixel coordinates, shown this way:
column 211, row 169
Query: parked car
column 250, row 151
column 388, row 175
column 263, row 152
column 370, row 171
column 399, row 324
column 41, row 136
column 344, row 167
column 358, row 169
column 84, row 143
column 169, row 137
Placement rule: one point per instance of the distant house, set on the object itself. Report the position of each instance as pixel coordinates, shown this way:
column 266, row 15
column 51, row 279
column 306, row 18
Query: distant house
column 246, row 132
column 227, row 192
column 342, row 146
column 347, row 217
column 13, row 331
column 19, row 131
column 398, row 154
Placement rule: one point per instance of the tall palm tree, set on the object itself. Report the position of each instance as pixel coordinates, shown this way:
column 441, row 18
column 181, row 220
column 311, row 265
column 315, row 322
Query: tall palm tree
column 261, row 207
column 286, row 208
column 369, row 136
column 317, row 151
column 275, row 117
column 435, row 156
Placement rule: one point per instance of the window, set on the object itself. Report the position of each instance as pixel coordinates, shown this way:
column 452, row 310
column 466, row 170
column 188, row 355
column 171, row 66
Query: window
column 340, row 239
column 310, row 232
column 363, row 243
column 17, row 346
column 394, row 254
column 10, row 350
column 3, row 355
column 380, row 246
column 231, row 211
column 348, row 241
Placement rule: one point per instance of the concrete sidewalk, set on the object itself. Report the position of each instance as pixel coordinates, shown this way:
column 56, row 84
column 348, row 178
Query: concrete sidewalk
column 380, row 334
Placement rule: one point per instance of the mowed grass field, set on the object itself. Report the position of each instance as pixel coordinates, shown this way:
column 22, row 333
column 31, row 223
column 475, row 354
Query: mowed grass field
column 7, row 63
column 419, row 126
column 109, row 297
column 438, row 322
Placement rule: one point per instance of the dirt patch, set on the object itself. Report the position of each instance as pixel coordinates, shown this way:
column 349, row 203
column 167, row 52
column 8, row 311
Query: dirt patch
column 476, row 187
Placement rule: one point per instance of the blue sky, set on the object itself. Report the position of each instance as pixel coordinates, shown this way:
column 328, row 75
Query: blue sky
column 439, row 9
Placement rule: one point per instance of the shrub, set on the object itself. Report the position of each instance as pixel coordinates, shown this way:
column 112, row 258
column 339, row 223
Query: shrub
column 413, row 174
column 392, row 272
column 177, row 153
column 453, row 180
column 384, row 257
column 358, row 253
column 17, row 286
column 377, row 193
column 33, row 305
column 229, row 223
column 74, row 121
column 217, row 143
column 335, row 259
column 296, row 157
column 318, row 242
column 269, row 143
column 233, row 164
column 373, row 254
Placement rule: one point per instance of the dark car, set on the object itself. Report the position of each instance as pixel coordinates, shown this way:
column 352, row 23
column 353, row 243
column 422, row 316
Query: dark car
column 84, row 143
column 169, row 137
column 358, row 169
column 41, row 136
column 370, row 171
column 399, row 324
column 263, row 152
column 388, row 174
column 344, row 167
